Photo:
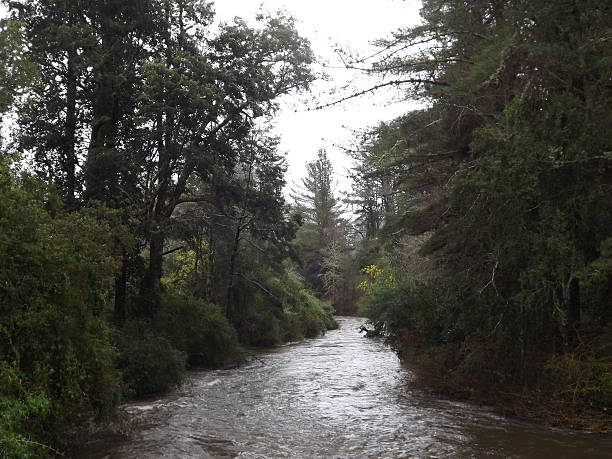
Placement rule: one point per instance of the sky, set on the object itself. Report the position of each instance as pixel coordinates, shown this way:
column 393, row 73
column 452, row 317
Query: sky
column 352, row 24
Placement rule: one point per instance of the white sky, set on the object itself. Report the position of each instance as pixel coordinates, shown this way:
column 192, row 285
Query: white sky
column 349, row 23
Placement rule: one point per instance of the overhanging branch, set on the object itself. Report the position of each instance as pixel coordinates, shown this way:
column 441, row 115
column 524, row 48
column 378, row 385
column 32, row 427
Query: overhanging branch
column 377, row 87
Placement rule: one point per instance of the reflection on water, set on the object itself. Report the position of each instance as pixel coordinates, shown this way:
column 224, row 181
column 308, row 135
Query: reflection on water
column 337, row 396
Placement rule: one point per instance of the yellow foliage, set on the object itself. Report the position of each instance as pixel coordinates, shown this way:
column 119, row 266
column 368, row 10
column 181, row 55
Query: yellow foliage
column 376, row 278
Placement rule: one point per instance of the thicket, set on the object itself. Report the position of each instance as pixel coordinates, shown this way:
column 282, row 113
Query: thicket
column 143, row 229
column 57, row 360
column 488, row 212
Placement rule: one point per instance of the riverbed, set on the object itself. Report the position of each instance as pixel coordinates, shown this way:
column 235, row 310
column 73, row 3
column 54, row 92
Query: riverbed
column 337, row 396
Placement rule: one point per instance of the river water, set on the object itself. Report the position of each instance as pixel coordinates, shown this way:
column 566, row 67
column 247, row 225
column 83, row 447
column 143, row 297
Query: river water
column 337, row 396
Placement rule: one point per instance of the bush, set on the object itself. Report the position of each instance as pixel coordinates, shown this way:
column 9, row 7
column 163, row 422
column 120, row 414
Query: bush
column 18, row 409
column 148, row 362
column 260, row 325
column 58, row 363
column 198, row 329
column 306, row 317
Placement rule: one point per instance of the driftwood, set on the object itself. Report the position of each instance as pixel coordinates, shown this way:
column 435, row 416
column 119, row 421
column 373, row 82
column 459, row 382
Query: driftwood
column 368, row 333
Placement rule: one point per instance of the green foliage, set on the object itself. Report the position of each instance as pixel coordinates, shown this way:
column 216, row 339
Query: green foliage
column 141, row 107
column 55, row 346
column 322, row 242
column 583, row 377
column 17, row 71
column 304, row 315
column 260, row 325
column 18, row 411
column 507, row 174
column 197, row 329
column 307, row 317
column 148, row 362
column 286, row 312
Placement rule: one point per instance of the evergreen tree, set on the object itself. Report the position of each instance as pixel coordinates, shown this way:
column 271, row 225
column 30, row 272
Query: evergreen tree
column 504, row 180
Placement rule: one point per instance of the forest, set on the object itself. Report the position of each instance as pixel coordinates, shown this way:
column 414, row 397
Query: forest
column 487, row 215
column 145, row 230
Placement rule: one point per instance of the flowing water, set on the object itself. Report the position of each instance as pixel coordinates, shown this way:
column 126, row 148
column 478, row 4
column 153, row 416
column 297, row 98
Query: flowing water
column 341, row 395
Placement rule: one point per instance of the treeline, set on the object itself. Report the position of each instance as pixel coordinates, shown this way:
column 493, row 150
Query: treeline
column 487, row 215
column 142, row 223
column 326, row 239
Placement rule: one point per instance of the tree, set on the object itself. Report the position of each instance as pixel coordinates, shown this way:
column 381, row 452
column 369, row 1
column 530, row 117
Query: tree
column 56, row 357
column 17, row 70
column 316, row 198
column 197, row 108
column 504, row 173
column 323, row 242
column 138, row 97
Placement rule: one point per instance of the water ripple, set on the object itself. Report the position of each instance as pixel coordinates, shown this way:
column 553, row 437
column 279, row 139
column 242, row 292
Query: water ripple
column 335, row 397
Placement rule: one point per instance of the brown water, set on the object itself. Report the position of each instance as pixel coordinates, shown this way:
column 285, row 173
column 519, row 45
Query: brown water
column 338, row 396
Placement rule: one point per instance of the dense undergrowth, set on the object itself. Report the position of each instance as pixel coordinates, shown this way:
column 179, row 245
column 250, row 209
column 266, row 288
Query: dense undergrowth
column 441, row 337
column 150, row 233
column 66, row 361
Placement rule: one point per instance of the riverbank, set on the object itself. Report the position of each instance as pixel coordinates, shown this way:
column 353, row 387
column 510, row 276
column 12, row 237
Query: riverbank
column 545, row 405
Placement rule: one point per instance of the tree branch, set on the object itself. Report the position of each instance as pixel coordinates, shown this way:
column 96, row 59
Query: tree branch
column 379, row 86
column 176, row 249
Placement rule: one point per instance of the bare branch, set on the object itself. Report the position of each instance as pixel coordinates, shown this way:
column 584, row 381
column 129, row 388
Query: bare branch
column 377, row 87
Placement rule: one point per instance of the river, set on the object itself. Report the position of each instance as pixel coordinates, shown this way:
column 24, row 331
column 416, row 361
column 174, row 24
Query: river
column 337, row 396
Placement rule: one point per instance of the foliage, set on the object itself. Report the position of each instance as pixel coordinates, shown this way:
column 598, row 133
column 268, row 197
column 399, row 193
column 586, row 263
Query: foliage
column 197, row 329
column 305, row 316
column 17, row 70
column 376, row 277
column 323, row 241
column 148, row 362
column 295, row 313
column 55, row 346
column 18, row 410
column 150, row 110
column 503, row 180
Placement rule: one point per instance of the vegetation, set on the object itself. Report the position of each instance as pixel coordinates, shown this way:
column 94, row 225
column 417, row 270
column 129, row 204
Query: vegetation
column 325, row 239
column 143, row 228
column 488, row 213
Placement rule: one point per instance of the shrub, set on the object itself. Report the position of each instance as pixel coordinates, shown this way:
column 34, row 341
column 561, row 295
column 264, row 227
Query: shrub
column 198, row 329
column 307, row 317
column 18, row 409
column 148, row 362
column 259, row 324
column 55, row 348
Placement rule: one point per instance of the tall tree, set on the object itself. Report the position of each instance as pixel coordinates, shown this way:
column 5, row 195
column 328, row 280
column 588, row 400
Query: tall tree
column 17, row 71
column 198, row 105
column 140, row 96
column 506, row 171
column 321, row 242
column 316, row 198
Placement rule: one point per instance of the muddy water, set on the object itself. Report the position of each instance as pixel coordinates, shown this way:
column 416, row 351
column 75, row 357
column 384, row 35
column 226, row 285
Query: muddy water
column 337, row 396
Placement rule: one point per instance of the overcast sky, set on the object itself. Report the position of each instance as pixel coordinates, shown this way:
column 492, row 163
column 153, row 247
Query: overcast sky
column 326, row 23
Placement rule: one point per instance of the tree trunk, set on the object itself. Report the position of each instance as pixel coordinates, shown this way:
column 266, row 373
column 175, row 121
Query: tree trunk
column 150, row 287
column 69, row 150
column 121, row 291
column 101, row 172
